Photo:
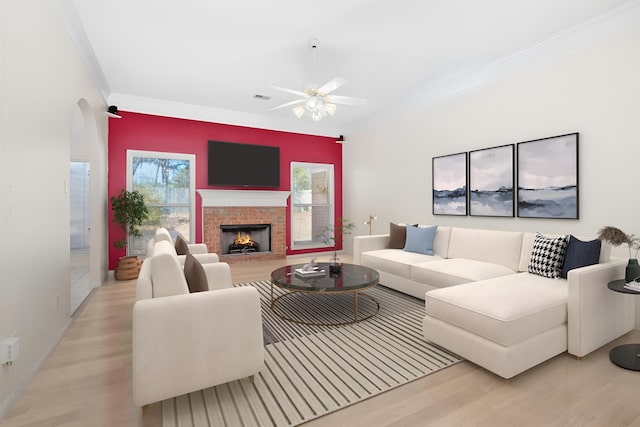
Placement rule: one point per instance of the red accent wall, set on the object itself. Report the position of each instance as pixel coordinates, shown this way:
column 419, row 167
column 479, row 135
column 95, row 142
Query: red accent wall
column 156, row 133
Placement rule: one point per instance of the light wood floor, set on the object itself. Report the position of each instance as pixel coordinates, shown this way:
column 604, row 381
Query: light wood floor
column 87, row 382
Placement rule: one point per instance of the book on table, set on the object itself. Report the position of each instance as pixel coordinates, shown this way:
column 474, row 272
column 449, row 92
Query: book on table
column 633, row 285
column 309, row 273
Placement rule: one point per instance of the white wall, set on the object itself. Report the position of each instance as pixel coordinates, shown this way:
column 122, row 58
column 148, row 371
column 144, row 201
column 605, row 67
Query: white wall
column 42, row 80
column 594, row 90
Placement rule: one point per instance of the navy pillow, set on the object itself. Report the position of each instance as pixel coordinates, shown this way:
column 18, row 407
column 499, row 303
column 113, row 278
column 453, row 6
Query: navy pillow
column 580, row 254
column 420, row 239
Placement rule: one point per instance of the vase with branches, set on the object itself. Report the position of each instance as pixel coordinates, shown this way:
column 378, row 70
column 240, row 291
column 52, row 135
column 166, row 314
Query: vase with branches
column 332, row 234
column 616, row 237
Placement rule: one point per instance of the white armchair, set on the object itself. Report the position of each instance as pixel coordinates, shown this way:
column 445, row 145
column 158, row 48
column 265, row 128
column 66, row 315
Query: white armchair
column 183, row 342
column 198, row 250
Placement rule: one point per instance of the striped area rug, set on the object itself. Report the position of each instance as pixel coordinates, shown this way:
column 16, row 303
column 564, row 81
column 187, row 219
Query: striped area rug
column 313, row 370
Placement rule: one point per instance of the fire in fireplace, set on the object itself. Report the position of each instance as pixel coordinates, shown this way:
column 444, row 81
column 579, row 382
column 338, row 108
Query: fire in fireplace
column 243, row 243
column 244, row 239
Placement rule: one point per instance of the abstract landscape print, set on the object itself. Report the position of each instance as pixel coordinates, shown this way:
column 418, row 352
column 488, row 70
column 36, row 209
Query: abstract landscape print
column 548, row 177
column 450, row 184
column 491, row 177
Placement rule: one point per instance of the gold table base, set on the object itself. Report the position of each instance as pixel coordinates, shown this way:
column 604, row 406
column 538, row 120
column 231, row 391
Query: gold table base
column 356, row 293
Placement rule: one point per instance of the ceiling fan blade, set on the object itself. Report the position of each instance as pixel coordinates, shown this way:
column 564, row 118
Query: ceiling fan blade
column 347, row 100
column 287, row 104
column 286, row 89
column 332, row 85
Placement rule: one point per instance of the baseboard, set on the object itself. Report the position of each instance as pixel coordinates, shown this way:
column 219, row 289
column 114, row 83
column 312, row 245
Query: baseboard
column 22, row 386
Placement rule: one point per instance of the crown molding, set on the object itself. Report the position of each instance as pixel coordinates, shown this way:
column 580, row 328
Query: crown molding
column 138, row 104
column 71, row 21
column 605, row 25
column 573, row 38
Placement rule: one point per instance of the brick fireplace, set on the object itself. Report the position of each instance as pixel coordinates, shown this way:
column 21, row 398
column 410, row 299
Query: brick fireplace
column 244, row 207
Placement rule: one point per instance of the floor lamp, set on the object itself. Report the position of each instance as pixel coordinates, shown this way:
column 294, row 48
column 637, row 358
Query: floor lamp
column 369, row 222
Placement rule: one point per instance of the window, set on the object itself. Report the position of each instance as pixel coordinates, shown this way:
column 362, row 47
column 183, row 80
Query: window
column 167, row 181
column 311, row 203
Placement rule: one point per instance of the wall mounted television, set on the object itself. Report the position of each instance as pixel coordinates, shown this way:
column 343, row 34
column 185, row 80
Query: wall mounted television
column 243, row 165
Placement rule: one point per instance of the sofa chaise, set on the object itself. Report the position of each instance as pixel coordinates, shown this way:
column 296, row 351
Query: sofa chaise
column 483, row 303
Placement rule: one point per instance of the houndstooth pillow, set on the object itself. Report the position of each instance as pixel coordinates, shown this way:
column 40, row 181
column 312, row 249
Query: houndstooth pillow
column 547, row 256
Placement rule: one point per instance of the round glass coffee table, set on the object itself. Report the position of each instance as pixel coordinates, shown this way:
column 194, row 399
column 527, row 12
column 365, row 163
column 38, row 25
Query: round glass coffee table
column 352, row 279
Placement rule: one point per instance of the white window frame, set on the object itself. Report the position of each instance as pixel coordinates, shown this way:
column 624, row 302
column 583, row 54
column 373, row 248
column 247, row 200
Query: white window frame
column 191, row 158
column 332, row 202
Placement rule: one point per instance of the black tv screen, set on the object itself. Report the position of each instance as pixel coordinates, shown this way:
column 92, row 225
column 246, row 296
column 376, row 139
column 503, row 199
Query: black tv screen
column 246, row 165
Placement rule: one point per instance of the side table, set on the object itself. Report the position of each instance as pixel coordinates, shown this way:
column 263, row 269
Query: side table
column 626, row 356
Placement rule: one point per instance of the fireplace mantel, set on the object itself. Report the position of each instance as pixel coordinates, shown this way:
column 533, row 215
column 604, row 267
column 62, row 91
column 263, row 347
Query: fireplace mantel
column 225, row 198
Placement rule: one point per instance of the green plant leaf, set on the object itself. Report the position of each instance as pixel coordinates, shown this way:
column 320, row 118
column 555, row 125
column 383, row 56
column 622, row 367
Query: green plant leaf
column 331, row 234
column 130, row 211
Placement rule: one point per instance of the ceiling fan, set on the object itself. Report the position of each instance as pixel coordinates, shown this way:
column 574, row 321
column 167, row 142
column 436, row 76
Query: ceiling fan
column 318, row 102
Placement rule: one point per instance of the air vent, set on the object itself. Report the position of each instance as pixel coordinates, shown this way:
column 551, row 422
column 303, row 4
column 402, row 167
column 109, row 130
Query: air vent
column 263, row 97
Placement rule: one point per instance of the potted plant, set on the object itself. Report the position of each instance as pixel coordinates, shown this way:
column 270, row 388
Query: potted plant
column 333, row 233
column 617, row 237
column 130, row 211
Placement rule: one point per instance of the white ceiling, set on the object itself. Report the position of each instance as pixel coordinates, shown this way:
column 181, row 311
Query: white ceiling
column 209, row 58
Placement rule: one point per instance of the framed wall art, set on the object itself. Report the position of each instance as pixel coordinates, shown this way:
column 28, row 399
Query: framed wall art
column 548, row 177
column 450, row 184
column 491, row 179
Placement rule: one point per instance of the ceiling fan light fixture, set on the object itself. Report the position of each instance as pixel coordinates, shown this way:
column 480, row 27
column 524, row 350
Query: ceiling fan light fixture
column 317, row 101
column 313, row 103
column 298, row 110
column 330, row 108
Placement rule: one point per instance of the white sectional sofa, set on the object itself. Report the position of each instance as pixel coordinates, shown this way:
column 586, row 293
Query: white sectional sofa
column 182, row 341
column 483, row 304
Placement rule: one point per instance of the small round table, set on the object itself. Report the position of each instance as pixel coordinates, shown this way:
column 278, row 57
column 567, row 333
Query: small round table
column 352, row 279
column 626, row 356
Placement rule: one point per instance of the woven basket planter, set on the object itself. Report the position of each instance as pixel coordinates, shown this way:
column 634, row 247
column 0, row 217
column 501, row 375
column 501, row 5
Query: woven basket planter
column 128, row 268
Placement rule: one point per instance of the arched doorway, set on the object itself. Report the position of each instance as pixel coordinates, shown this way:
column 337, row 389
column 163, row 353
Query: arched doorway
column 79, row 211
column 88, row 149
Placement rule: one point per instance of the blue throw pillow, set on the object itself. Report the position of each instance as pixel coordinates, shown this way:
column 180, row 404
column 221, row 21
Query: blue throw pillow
column 580, row 254
column 420, row 239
